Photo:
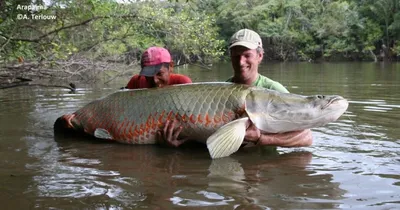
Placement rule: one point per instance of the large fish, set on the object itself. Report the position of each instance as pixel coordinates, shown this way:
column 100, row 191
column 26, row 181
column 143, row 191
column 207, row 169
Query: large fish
column 213, row 113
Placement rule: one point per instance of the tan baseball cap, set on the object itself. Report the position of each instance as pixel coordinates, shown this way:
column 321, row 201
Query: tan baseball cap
column 246, row 38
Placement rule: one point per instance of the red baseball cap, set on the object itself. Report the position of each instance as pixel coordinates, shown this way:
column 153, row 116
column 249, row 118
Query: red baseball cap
column 151, row 60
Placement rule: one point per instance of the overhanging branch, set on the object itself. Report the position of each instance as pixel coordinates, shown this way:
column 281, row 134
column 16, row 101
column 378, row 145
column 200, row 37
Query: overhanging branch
column 65, row 27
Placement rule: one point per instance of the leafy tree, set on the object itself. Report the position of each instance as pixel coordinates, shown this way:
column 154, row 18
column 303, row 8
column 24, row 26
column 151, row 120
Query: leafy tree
column 385, row 15
column 198, row 30
column 99, row 29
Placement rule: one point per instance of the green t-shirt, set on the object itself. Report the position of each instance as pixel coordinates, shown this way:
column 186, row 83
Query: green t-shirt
column 263, row 81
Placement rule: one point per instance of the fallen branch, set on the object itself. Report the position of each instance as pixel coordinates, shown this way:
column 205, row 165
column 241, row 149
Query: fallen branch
column 204, row 66
column 20, row 84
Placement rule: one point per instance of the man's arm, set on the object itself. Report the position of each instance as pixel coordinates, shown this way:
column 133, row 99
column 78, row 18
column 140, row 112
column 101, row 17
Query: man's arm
column 183, row 79
column 301, row 138
column 169, row 136
column 289, row 139
column 133, row 82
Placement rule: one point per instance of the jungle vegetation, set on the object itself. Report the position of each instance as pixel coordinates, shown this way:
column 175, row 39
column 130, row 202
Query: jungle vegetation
column 68, row 37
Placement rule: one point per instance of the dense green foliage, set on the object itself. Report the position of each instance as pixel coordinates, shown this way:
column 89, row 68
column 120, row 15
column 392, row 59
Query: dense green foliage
column 198, row 30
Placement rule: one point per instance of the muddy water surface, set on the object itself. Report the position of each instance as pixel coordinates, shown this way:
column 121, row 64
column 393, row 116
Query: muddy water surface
column 353, row 163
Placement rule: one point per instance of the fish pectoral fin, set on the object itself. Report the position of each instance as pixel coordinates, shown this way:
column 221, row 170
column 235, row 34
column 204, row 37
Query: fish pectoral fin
column 227, row 139
column 102, row 134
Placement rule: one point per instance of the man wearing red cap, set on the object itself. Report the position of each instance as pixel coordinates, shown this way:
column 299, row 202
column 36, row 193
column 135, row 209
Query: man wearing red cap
column 157, row 68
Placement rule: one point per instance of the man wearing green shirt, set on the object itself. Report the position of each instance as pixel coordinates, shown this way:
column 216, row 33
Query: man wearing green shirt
column 263, row 81
column 246, row 53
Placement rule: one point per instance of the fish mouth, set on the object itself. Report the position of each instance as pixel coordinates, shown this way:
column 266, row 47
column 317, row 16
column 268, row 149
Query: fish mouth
column 332, row 100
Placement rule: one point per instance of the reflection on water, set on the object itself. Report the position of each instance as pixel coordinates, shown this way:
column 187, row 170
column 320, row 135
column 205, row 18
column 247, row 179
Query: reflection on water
column 148, row 176
column 353, row 163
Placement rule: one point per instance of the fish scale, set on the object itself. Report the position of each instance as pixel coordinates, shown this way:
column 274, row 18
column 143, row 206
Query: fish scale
column 137, row 114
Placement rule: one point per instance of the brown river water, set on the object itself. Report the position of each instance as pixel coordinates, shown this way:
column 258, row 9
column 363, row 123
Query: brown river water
column 353, row 162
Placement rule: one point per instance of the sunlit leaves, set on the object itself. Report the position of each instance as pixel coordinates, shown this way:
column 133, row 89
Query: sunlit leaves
column 182, row 30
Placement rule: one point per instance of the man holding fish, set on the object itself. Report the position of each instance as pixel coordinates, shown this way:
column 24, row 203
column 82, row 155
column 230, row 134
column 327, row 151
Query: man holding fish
column 221, row 115
column 246, row 53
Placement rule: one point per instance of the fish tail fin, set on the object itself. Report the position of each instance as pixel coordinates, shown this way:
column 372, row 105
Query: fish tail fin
column 227, row 139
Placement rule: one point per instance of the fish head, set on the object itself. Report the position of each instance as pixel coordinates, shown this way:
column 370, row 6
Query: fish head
column 276, row 112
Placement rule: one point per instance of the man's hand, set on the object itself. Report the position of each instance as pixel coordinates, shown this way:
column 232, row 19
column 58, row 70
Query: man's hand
column 169, row 134
column 253, row 134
